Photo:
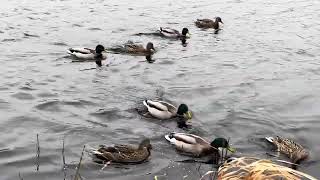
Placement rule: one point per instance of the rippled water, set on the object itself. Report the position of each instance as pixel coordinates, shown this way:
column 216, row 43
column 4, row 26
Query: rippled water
column 258, row 77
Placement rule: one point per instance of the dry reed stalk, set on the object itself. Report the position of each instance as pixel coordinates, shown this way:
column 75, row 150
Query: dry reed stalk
column 20, row 177
column 38, row 153
column 77, row 175
column 64, row 160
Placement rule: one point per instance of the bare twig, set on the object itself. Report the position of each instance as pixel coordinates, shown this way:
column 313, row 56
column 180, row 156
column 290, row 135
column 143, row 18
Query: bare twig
column 286, row 162
column 229, row 146
column 77, row 175
column 20, row 177
column 63, row 156
column 222, row 152
column 198, row 169
column 215, row 174
column 105, row 165
column 38, row 153
column 64, row 161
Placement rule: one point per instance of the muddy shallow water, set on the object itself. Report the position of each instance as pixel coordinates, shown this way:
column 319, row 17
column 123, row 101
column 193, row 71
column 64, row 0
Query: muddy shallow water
column 258, row 77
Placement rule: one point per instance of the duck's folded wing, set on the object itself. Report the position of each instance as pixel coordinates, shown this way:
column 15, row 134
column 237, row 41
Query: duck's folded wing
column 83, row 56
column 159, row 105
column 190, row 138
column 169, row 106
column 205, row 20
column 108, row 149
column 169, row 30
column 160, row 114
column 193, row 149
column 80, row 50
column 290, row 144
column 125, row 148
column 132, row 46
column 184, row 137
column 199, row 139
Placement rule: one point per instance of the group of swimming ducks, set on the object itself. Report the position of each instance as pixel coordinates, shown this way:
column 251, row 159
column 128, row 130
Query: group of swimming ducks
column 191, row 144
column 99, row 53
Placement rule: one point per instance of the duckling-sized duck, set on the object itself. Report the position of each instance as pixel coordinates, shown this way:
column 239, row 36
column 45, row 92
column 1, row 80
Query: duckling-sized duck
column 208, row 23
column 197, row 146
column 134, row 49
column 172, row 33
column 293, row 150
column 88, row 54
column 164, row 110
column 125, row 153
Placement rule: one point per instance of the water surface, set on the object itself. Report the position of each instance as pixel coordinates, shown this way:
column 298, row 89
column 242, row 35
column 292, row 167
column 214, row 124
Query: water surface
column 258, row 77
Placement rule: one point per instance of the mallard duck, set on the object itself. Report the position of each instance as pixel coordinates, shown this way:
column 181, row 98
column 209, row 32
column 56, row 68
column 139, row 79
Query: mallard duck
column 294, row 151
column 125, row 153
column 134, row 49
column 88, row 54
column 250, row 168
column 208, row 23
column 139, row 49
column 194, row 145
column 172, row 33
column 164, row 110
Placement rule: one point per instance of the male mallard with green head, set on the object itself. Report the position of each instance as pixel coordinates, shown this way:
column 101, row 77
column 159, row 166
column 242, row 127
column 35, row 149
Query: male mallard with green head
column 172, row 33
column 87, row 53
column 197, row 146
column 293, row 150
column 125, row 153
column 164, row 110
column 208, row 23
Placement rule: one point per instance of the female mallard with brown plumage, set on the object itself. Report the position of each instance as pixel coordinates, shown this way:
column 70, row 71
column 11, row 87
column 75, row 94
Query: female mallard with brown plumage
column 208, row 23
column 134, row 49
column 124, row 153
column 293, row 150
column 197, row 146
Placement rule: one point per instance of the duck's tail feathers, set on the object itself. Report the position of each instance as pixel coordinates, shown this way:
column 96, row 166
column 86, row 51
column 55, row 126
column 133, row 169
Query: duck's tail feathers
column 69, row 51
column 95, row 152
column 92, row 151
column 145, row 102
column 170, row 138
column 270, row 139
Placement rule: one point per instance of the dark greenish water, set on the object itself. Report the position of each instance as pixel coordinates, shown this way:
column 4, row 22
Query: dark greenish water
column 258, row 77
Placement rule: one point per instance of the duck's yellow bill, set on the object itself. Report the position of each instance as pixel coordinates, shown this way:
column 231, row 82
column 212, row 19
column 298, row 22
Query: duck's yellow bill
column 188, row 35
column 232, row 150
column 188, row 115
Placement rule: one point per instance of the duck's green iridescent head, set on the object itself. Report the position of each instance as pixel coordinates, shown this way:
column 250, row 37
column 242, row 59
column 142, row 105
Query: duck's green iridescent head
column 218, row 19
column 222, row 143
column 99, row 49
column 150, row 47
column 185, row 32
column 183, row 110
